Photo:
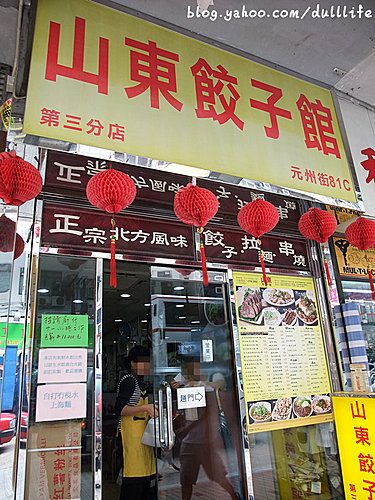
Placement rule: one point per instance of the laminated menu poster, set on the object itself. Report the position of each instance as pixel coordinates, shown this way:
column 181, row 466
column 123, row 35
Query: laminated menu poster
column 284, row 368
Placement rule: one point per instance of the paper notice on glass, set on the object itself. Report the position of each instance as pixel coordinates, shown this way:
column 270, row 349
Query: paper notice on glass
column 62, row 365
column 191, row 397
column 60, row 402
column 360, row 377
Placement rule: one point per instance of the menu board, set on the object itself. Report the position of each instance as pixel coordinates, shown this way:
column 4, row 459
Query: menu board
column 284, row 368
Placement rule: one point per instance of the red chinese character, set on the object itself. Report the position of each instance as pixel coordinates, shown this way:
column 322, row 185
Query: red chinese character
column 317, row 126
column 58, row 494
column 361, row 435
column 352, row 487
column 269, row 107
column 369, row 164
column 116, row 132
column 370, row 489
column 323, row 179
column 58, row 478
column 366, row 463
column 152, row 71
column 76, row 72
column 73, row 122
column 95, row 127
column 358, row 414
column 49, row 117
column 310, row 176
column 296, row 173
column 206, row 91
column 59, row 464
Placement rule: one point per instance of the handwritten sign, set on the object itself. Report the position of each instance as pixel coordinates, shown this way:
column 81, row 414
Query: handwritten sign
column 64, row 330
column 60, row 402
column 62, row 365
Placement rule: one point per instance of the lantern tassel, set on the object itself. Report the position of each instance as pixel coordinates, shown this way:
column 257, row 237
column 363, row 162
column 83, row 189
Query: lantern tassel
column 203, row 257
column 328, row 274
column 371, row 279
column 261, row 260
column 113, row 273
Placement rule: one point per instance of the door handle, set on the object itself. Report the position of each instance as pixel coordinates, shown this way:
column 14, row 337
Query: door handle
column 170, row 432
column 161, row 417
column 166, row 435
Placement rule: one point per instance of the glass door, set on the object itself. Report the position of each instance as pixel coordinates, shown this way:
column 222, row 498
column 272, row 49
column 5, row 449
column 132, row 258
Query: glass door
column 198, row 431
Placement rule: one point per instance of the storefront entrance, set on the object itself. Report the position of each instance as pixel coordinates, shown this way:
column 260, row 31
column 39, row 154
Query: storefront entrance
column 192, row 380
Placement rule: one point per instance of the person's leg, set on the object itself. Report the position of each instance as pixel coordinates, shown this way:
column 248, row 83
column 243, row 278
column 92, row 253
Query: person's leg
column 133, row 490
column 189, row 469
column 216, row 470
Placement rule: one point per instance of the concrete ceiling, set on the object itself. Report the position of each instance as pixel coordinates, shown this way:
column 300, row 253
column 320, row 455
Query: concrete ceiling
column 312, row 47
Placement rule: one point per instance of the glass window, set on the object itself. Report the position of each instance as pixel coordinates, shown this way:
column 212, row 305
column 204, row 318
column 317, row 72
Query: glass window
column 60, row 385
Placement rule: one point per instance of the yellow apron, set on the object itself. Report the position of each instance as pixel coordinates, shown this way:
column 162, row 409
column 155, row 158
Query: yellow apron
column 139, row 460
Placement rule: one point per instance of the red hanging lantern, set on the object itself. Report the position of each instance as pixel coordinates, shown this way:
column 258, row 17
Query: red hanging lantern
column 20, row 181
column 361, row 234
column 7, row 230
column 112, row 191
column 195, row 206
column 257, row 218
column 19, row 247
column 317, row 225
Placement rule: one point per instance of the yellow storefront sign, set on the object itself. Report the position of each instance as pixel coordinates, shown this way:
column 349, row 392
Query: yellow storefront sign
column 351, row 261
column 106, row 79
column 355, row 428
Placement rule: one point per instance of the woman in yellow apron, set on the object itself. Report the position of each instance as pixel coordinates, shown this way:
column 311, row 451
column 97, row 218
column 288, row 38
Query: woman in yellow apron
column 134, row 410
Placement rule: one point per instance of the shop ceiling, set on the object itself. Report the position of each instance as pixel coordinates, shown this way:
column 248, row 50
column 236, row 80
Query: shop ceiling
column 314, row 48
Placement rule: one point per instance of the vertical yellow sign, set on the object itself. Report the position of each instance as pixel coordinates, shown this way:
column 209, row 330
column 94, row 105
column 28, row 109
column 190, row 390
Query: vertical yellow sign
column 355, row 428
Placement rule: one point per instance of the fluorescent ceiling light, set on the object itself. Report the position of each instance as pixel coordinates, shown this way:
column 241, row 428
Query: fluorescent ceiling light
column 180, row 305
column 118, row 320
column 43, row 290
column 147, row 304
column 182, row 317
column 143, row 320
column 177, row 288
column 77, row 301
column 125, row 295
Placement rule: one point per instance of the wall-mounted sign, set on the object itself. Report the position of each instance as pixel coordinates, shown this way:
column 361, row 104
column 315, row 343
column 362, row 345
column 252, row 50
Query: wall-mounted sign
column 60, row 402
column 64, row 330
column 360, row 128
column 106, row 79
column 84, row 229
column 351, row 261
column 284, row 367
column 355, row 429
column 62, row 365
column 191, row 397
column 65, row 227
column 69, row 174
column 52, row 471
column 342, row 214
column 237, row 247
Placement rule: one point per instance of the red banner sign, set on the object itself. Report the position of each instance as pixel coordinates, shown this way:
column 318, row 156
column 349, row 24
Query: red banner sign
column 88, row 230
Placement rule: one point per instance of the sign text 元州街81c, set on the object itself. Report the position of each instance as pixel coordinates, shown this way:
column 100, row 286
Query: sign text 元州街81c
column 106, row 79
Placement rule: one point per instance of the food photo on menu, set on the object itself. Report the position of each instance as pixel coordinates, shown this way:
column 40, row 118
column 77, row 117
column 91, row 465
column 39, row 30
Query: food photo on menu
column 288, row 408
column 276, row 307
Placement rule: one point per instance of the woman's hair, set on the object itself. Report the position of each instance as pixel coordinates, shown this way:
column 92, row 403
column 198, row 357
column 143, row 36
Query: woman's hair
column 138, row 353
